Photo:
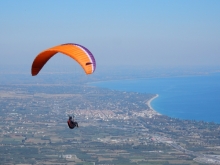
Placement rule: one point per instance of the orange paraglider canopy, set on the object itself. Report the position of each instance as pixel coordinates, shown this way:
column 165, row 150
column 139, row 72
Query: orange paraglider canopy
column 78, row 52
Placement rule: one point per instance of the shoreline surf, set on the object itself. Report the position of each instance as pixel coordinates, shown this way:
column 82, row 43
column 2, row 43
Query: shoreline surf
column 149, row 104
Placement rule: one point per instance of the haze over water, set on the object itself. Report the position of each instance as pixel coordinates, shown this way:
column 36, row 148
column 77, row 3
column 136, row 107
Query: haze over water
column 191, row 97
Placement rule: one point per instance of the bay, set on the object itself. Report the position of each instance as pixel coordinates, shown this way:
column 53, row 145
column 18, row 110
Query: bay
column 190, row 97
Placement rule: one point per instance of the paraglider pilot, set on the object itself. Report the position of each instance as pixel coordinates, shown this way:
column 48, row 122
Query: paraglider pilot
column 71, row 123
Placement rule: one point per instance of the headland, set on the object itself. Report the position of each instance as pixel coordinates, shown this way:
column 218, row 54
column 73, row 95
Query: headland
column 149, row 104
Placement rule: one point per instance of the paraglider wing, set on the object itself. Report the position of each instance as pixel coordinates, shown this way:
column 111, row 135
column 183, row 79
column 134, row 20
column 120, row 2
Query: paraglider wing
column 78, row 52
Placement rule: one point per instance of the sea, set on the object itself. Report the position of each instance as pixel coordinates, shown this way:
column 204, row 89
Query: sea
column 189, row 97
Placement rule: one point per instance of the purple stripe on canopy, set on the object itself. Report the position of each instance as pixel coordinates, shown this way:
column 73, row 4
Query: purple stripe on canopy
column 90, row 55
column 87, row 51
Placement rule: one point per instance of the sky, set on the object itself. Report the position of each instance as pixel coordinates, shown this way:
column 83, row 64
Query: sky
column 125, row 32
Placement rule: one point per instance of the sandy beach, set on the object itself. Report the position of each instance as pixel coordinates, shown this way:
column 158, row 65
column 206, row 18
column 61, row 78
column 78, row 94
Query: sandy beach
column 149, row 105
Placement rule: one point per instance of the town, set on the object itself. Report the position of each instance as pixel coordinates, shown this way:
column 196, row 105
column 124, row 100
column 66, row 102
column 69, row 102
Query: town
column 115, row 127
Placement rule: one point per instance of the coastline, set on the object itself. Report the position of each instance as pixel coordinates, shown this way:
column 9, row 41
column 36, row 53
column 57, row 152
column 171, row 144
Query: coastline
column 149, row 105
column 172, row 103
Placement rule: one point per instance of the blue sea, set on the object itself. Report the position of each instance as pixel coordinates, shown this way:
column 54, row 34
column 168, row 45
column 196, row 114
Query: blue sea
column 190, row 97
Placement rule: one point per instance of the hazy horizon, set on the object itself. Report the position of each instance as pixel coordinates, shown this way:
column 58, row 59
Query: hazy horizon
column 145, row 32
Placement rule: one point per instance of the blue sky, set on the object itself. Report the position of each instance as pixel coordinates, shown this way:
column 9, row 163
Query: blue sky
column 125, row 32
